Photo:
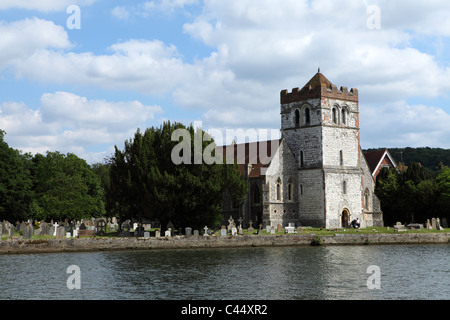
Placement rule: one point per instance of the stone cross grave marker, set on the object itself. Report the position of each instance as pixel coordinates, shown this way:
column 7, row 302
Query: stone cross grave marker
column 101, row 227
column 206, row 231
column 250, row 229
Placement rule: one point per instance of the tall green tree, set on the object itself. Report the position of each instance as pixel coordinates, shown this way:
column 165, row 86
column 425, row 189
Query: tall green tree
column 65, row 187
column 146, row 182
column 15, row 183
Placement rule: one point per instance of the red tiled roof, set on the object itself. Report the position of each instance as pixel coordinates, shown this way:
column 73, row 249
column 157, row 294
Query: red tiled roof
column 373, row 158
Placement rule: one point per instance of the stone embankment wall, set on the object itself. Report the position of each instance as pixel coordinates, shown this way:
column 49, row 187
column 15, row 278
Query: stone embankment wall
column 107, row 244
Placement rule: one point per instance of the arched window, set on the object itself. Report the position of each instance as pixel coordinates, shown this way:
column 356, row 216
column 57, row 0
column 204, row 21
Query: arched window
column 297, row 118
column 307, row 116
column 366, row 199
column 344, row 116
column 290, row 190
column 279, row 189
column 335, row 116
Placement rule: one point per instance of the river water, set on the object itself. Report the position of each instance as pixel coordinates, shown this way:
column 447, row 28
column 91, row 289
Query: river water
column 288, row 273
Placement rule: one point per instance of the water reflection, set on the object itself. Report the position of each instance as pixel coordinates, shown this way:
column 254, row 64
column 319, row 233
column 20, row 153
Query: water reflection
column 290, row 273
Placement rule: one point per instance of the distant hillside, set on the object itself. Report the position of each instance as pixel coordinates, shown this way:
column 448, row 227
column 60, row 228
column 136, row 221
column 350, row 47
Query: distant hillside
column 430, row 158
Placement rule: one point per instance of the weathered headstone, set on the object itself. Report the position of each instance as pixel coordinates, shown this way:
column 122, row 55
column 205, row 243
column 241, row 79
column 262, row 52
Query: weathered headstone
column 28, row 232
column 433, row 223
column 250, row 229
column 272, row 230
column 188, row 231
column 234, row 231
column 83, row 226
column 157, row 234
column 279, row 228
column 146, row 234
column 438, row 224
column 60, row 232
column 168, row 233
column 223, row 232
column 428, row 225
column 444, row 222
column 196, row 233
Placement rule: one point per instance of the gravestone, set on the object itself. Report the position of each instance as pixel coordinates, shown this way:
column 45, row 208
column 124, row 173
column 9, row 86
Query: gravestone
column 223, row 232
column 268, row 229
column 299, row 229
column 279, row 228
column 272, row 230
column 438, row 224
column 168, row 233
column 44, row 229
column 125, row 230
column 444, row 222
column 11, row 232
column 60, row 232
column 231, row 224
column 101, row 227
column 157, row 234
column 28, row 232
column 433, row 224
column 250, row 229
column 83, row 226
column 290, row 228
column 52, row 231
column 68, row 234
column 206, row 231
column 234, row 231
column 428, row 226
column 196, row 233
column 146, row 234
column 241, row 231
column 1, row 229
column 188, row 231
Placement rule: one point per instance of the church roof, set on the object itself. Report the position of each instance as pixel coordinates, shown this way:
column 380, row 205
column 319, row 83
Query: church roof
column 318, row 87
column 318, row 81
column 375, row 159
column 251, row 155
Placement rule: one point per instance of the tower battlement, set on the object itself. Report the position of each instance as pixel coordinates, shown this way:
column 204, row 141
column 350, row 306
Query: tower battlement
column 318, row 87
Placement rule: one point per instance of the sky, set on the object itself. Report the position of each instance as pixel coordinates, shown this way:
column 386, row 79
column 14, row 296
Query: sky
column 81, row 76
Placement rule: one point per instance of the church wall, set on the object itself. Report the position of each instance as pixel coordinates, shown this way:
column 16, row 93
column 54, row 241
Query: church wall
column 283, row 171
column 340, row 197
column 372, row 212
column 311, row 197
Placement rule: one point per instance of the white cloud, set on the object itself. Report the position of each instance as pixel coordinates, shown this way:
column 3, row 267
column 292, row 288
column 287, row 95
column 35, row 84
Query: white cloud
column 67, row 122
column 24, row 38
column 120, row 12
column 43, row 5
column 258, row 48
column 400, row 124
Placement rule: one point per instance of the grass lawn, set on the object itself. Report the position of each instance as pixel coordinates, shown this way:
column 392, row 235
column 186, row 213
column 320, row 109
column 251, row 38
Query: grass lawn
column 306, row 230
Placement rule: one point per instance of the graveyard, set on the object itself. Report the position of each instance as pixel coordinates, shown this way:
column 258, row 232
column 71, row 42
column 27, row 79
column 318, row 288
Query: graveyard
column 105, row 234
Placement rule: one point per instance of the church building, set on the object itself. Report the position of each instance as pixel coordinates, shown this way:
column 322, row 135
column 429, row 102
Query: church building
column 317, row 175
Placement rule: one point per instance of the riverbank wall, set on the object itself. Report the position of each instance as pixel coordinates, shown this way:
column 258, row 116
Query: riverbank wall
column 19, row 246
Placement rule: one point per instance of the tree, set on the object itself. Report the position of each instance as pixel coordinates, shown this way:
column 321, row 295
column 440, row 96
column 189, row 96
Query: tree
column 15, row 183
column 65, row 187
column 147, row 183
column 443, row 187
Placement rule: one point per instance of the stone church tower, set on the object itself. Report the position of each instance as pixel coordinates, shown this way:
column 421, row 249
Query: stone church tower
column 317, row 175
column 320, row 124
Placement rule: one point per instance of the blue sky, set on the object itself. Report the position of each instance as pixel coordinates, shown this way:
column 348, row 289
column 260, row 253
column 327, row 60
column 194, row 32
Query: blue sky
column 135, row 64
